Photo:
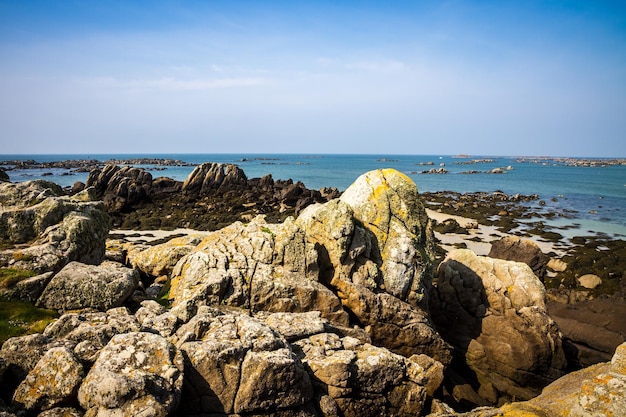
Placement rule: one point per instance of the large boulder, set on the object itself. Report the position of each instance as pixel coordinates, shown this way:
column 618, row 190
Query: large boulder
column 211, row 177
column 27, row 193
column 53, row 381
column 89, row 331
column 121, row 187
column 237, row 364
column 159, row 260
column 59, row 229
column 514, row 248
column 258, row 267
column 493, row 312
column 135, row 374
column 352, row 378
column 387, row 203
column 80, row 285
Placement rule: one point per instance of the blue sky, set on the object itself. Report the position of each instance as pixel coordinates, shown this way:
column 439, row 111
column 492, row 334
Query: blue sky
column 398, row 77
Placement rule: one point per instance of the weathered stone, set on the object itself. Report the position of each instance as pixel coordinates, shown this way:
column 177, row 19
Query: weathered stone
column 589, row 281
column 272, row 379
column 61, row 229
column 595, row 327
column 91, row 331
column 236, row 363
column 352, row 377
column 493, row 312
column 294, row 326
column 160, row 259
column 135, row 374
column 513, row 248
column 61, row 412
column 28, row 289
column 79, row 285
column 557, row 265
column 53, row 381
column 121, row 188
column 393, row 323
column 387, row 203
column 209, row 177
column 27, row 193
column 597, row 390
column 260, row 267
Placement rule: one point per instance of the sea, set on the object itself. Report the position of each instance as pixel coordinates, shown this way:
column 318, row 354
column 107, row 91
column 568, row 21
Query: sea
column 588, row 199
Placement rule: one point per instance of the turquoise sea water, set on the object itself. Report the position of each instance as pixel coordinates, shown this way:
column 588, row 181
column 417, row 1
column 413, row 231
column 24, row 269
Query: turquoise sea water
column 593, row 197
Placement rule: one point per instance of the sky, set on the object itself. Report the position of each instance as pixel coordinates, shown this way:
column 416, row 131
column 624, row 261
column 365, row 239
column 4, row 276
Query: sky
column 379, row 77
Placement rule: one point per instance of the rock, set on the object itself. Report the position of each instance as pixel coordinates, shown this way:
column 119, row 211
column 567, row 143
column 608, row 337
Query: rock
column 259, row 267
column 589, row 281
column 274, row 379
column 594, row 391
column 450, row 226
column 351, row 377
column 209, row 177
column 513, row 248
column 61, row 412
column 294, row 326
column 160, row 259
column 387, row 203
column 557, row 265
column 393, row 323
column 135, row 374
column 19, row 355
column 61, row 229
column 28, row 289
column 594, row 327
column 91, row 331
column 121, row 188
column 27, row 193
column 237, row 364
column 493, row 312
column 4, row 177
column 52, row 382
column 79, row 285
column 325, row 258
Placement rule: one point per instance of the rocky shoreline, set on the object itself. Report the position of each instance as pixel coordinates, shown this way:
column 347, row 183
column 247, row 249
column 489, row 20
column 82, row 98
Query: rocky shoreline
column 277, row 300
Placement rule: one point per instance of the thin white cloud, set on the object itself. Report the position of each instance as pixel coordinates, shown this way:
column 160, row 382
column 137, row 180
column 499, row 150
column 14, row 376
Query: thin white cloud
column 377, row 66
column 174, row 84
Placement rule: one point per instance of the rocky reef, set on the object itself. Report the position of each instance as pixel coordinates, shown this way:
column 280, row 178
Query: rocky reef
column 213, row 196
column 339, row 309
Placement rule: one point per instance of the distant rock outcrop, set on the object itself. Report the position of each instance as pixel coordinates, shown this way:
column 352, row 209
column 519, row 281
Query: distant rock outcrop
column 121, row 188
column 214, row 195
column 4, row 177
column 211, row 177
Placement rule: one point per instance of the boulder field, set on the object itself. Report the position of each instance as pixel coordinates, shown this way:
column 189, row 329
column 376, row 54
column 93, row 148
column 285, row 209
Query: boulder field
column 339, row 311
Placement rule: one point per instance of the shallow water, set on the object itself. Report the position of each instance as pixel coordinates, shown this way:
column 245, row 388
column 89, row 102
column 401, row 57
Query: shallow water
column 595, row 197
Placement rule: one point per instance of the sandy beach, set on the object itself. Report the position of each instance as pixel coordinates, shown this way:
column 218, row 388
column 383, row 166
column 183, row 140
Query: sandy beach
column 479, row 238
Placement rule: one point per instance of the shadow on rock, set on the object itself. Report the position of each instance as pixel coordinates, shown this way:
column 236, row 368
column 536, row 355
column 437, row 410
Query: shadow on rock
column 493, row 312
